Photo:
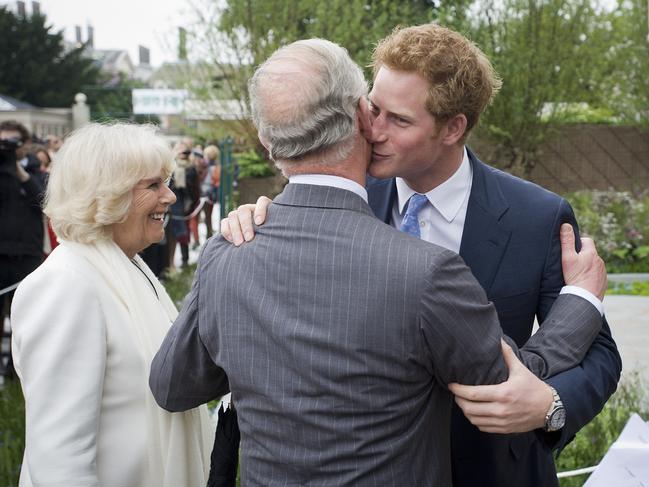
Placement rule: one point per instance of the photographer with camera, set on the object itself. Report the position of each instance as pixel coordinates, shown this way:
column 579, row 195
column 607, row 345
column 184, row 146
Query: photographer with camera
column 21, row 217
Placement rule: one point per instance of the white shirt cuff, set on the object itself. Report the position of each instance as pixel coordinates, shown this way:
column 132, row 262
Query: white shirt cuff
column 587, row 295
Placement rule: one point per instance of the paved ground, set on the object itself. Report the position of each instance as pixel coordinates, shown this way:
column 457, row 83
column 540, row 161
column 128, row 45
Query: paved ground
column 628, row 317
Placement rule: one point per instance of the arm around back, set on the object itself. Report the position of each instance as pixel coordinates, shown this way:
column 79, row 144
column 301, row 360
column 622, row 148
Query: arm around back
column 585, row 388
column 462, row 332
column 183, row 374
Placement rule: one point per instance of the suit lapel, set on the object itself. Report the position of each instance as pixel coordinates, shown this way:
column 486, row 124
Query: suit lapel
column 485, row 235
column 380, row 196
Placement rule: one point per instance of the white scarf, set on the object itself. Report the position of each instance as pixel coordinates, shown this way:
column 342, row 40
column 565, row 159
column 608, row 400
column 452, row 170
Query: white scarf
column 179, row 444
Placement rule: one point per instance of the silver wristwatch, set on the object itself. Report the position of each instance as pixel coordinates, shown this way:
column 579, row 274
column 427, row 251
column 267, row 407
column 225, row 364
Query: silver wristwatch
column 555, row 418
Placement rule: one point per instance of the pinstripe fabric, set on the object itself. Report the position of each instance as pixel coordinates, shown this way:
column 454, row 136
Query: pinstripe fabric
column 337, row 334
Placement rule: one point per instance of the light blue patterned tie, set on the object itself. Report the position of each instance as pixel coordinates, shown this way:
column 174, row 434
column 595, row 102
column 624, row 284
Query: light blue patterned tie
column 410, row 224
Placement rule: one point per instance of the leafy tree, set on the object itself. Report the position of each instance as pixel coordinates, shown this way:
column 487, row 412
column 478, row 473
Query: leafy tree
column 555, row 57
column 237, row 35
column 34, row 65
column 625, row 85
column 549, row 56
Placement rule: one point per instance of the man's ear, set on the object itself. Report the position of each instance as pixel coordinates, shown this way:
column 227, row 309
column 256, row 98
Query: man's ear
column 264, row 142
column 455, row 129
column 364, row 118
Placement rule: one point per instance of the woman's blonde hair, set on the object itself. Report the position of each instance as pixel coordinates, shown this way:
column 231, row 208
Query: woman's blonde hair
column 91, row 184
column 211, row 152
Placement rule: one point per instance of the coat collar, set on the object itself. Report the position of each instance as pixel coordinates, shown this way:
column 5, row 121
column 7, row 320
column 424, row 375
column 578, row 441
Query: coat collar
column 321, row 197
column 485, row 235
column 381, row 195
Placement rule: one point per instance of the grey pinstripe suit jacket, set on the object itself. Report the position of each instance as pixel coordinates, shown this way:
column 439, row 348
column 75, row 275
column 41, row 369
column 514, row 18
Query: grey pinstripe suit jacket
column 337, row 334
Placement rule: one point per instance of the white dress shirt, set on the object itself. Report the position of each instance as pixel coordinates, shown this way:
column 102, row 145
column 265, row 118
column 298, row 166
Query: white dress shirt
column 329, row 180
column 442, row 221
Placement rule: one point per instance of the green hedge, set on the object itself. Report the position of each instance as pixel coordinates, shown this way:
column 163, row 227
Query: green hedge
column 619, row 223
column 637, row 288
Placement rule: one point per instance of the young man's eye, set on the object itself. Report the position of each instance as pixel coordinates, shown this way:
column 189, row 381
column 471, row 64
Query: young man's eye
column 401, row 121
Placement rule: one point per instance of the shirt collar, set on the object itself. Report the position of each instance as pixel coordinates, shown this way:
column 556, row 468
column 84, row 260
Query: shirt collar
column 448, row 197
column 329, row 180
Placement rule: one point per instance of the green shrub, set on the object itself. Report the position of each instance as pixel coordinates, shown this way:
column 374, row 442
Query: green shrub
column 594, row 440
column 637, row 288
column 619, row 223
column 12, row 432
column 253, row 165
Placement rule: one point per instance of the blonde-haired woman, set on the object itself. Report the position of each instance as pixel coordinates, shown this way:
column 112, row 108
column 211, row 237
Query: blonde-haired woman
column 87, row 323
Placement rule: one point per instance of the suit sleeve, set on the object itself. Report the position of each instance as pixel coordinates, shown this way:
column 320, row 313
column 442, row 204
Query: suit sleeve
column 183, row 374
column 59, row 345
column 459, row 327
column 584, row 389
column 462, row 332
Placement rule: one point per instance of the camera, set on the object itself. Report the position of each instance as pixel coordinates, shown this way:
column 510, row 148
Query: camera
column 8, row 153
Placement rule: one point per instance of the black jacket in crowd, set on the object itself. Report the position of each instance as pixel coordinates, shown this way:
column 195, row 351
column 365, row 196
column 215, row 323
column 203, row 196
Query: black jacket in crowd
column 21, row 217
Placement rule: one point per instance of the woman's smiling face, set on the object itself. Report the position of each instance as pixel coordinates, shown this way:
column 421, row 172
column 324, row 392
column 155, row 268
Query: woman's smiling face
column 144, row 224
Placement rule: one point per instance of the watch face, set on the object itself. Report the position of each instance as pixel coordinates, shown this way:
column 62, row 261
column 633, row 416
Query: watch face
column 557, row 419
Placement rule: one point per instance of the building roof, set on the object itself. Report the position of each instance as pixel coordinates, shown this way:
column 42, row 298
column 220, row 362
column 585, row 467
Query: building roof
column 10, row 104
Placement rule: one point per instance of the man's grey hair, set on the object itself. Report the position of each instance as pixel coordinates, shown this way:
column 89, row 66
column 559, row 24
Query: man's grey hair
column 304, row 100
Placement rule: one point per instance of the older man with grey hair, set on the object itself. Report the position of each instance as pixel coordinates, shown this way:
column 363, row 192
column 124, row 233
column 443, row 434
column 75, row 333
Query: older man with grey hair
column 336, row 333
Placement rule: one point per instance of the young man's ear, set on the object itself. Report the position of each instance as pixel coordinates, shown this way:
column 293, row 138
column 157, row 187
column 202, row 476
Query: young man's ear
column 455, row 129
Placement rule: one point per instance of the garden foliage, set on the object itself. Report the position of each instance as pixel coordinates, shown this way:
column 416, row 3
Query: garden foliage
column 619, row 224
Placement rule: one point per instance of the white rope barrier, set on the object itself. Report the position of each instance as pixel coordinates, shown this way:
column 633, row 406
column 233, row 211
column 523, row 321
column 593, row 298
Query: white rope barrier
column 9, row 289
column 574, row 473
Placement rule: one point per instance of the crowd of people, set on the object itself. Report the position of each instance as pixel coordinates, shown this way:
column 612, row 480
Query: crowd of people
column 26, row 234
column 374, row 326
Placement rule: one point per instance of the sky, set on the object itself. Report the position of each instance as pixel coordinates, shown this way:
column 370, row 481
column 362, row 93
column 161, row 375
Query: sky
column 120, row 24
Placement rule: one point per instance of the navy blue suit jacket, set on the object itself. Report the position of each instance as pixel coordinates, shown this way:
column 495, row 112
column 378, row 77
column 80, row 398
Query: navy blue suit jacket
column 511, row 244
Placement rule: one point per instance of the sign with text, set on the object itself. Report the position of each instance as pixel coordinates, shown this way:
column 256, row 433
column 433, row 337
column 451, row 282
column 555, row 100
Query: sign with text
column 158, row 102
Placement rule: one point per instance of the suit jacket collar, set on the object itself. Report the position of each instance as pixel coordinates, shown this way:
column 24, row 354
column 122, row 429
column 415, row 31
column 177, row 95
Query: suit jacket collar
column 310, row 195
column 381, row 195
column 485, row 235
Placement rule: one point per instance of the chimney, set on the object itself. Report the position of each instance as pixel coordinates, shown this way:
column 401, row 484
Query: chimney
column 20, row 8
column 145, row 55
column 77, row 34
column 36, row 8
column 182, row 44
column 91, row 36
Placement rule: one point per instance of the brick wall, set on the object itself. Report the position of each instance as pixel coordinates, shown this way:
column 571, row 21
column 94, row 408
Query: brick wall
column 590, row 157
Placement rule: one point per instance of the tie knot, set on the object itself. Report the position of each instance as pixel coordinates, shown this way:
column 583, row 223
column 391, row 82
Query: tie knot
column 416, row 203
column 410, row 224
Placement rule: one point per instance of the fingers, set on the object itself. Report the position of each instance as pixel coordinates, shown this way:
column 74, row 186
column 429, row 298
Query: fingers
column 244, row 221
column 476, row 393
column 588, row 245
column 225, row 230
column 261, row 208
column 567, row 236
column 511, row 360
column 234, row 227
column 478, row 409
